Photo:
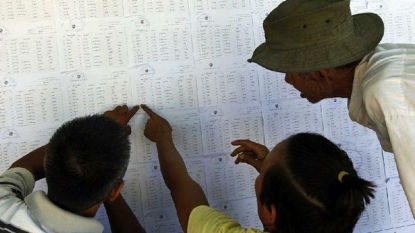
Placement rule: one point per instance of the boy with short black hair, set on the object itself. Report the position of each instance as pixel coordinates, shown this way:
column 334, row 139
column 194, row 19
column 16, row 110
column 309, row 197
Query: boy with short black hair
column 84, row 164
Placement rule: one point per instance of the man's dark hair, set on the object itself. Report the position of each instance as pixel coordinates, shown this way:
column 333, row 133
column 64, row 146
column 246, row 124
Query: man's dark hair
column 86, row 158
column 306, row 191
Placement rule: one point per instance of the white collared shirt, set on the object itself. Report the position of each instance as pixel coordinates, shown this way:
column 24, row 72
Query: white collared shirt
column 383, row 99
column 34, row 212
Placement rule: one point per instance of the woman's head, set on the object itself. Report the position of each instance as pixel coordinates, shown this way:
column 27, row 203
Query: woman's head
column 299, row 189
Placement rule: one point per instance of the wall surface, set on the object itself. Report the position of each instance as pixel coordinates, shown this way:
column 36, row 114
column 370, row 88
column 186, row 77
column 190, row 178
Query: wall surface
column 187, row 60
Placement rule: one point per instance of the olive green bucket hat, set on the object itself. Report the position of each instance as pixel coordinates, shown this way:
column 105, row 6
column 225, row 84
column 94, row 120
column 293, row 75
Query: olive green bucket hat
column 309, row 35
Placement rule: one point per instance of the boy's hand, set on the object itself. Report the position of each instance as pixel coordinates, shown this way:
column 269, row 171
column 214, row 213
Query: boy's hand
column 122, row 115
column 157, row 128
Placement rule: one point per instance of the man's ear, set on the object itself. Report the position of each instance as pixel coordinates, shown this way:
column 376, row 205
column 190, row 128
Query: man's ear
column 115, row 192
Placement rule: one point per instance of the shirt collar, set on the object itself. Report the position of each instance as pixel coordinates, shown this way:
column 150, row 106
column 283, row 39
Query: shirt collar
column 56, row 219
column 356, row 98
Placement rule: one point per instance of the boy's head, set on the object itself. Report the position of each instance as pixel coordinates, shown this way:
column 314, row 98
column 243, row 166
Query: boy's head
column 86, row 159
column 308, row 184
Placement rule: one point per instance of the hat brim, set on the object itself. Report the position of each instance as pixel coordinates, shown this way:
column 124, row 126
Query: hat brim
column 368, row 32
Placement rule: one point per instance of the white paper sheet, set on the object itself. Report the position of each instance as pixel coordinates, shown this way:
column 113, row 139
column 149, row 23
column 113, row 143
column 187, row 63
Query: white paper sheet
column 226, row 181
column 28, row 47
column 366, row 154
column 19, row 141
column 336, row 116
column 223, row 83
column 218, row 34
column 285, row 117
column 399, row 208
column 376, row 215
column 225, row 123
column 30, row 99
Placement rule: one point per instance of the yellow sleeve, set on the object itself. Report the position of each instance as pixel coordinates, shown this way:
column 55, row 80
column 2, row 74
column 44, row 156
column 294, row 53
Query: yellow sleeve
column 204, row 219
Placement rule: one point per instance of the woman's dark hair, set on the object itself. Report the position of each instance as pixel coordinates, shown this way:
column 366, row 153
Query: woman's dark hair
column 86, row 158
column 306, row 190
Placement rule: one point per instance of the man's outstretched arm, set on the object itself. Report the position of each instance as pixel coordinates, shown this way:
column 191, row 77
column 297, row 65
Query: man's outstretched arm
column 120, row 215
column 186, row 193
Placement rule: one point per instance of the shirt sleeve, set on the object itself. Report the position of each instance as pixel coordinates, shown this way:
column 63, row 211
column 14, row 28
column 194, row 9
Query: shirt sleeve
column 17, row 182
column 204, row 219
column 401, row 131
column 390, row 102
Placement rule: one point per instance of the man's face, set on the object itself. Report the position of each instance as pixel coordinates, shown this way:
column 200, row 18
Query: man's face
column 314, row 86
